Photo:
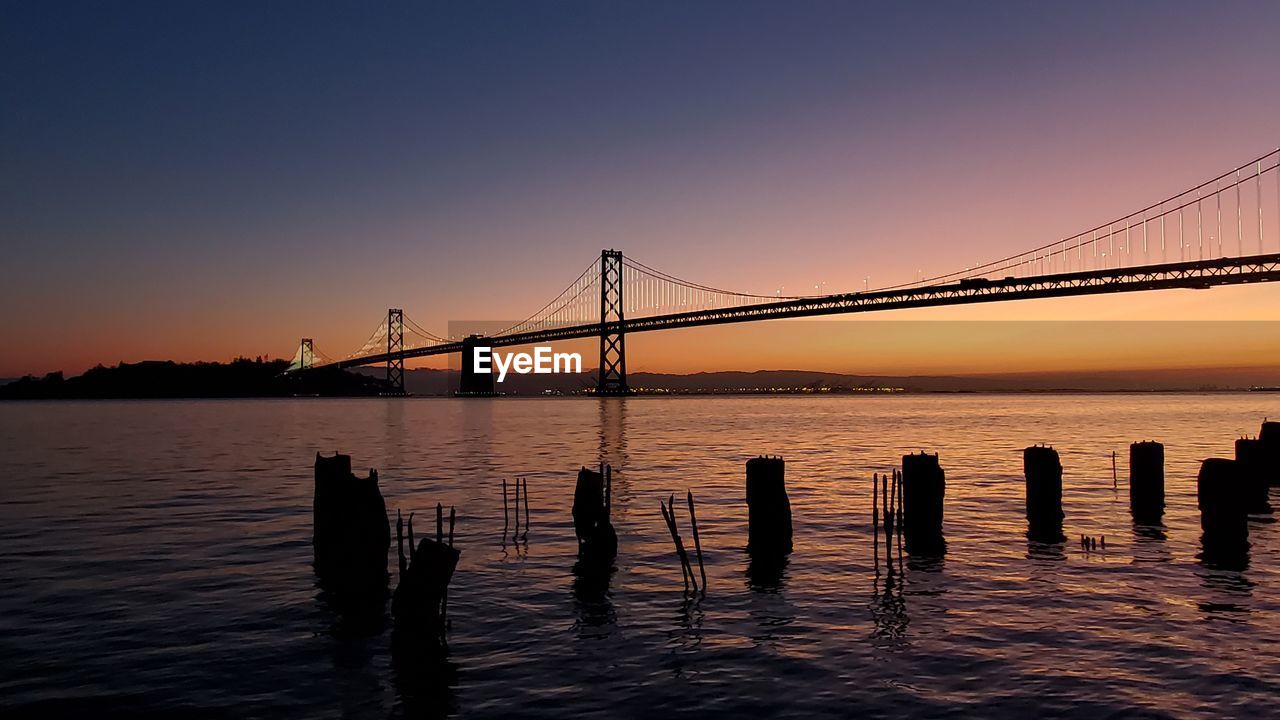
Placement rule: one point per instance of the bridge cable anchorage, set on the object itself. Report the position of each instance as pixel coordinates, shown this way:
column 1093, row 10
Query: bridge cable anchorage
column 1030, row 262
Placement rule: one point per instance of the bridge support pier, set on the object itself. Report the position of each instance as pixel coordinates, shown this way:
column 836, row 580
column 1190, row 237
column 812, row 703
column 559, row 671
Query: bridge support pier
column 470, row 382
column 613, row 341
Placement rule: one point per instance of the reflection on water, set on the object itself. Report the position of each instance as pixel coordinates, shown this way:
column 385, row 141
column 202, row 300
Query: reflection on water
column 150, row 550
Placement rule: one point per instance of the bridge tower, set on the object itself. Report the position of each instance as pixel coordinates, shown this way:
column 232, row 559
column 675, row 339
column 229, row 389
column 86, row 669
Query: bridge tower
column 306, row 354
column 613, row 341
column 395, row 349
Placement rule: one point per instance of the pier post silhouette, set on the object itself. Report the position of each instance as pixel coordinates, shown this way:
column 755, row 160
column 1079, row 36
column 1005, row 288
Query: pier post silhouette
column 1269, row 436
column 351, row 534
column 924, row 488
column 1146, row 482
column 1250, row 456
column 597, row 540
column 1224, row 519
column 768, row 507
column 1043, row 472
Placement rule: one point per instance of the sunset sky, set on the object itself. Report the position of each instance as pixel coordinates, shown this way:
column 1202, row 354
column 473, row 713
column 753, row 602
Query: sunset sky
column 203, row 180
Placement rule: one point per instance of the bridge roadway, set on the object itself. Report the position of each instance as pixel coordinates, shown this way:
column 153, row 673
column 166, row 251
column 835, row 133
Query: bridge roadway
column 1196, row 274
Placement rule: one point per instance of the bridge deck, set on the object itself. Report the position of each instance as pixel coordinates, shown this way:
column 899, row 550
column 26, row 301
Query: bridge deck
column 1197, row 274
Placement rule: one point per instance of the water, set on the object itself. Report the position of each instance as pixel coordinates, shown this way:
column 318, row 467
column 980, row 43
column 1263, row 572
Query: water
column 156, row 557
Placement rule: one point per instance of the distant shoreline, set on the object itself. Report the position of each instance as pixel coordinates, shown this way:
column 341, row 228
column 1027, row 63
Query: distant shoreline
column 245, row 378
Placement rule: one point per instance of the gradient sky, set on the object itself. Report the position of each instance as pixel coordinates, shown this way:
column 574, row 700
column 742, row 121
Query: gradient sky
column 202, row 180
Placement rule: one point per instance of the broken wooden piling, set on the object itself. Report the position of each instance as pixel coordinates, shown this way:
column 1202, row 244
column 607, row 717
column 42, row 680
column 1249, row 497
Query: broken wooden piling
column 1043, row 473
column 1222, row 496
column 1251, row 457
column 351, row 535
column 768, row 507
column 420, row 601
column 597, row 540
column 924, row 488
column 1269, row 436
column 1146, row 482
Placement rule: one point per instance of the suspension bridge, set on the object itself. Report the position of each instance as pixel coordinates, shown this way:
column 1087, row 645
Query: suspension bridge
column 1224, row 231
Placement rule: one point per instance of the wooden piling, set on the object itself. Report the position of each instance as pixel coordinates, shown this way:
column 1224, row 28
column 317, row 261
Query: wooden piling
column 768, row 507
column 924, row 489
column 1146, row 482
column 351, row 535
column 1269, row 435
column 1250, row 456
column 1223, row 499
column 1043, row 472
column 597, row 541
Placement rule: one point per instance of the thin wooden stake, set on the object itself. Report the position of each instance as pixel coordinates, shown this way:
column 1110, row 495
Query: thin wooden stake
column 875, row 519
column 403, row 564
column 697, row 542
column 517, row 513
column 608, row 490
column 412, row 546
column 684, row 556
column 671, row 528
column 526, row 507
column 506, row 519
column 440, row 523
column 1115, row 481
column 453, row 517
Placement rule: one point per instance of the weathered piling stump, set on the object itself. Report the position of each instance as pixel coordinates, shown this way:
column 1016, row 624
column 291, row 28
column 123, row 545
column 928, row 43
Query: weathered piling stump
column 1043, row 472
column 351, row 534
column 1146, row 482
column 419, row 601
column 1223, row 499
column 1269, row 436
column 924, row 488
column 597, row 541
column 1250, row 456
column 768, row 507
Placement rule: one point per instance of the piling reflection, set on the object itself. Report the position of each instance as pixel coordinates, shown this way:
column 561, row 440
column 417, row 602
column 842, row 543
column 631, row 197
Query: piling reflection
column 1150, row 544
column 1229, row 554
column 593, row 599
column 766, row 573
column 1222, row 574
column 424, row 677
column 1040, row 550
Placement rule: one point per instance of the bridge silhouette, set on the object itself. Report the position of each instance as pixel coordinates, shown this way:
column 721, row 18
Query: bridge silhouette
column 1213, row 234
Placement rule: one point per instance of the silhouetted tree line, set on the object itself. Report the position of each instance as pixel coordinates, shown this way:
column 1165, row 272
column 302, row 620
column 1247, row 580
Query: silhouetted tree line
column 241, row 377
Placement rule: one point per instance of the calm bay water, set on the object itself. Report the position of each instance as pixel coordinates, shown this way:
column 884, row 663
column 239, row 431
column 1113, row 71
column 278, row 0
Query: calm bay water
column 155, row 558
